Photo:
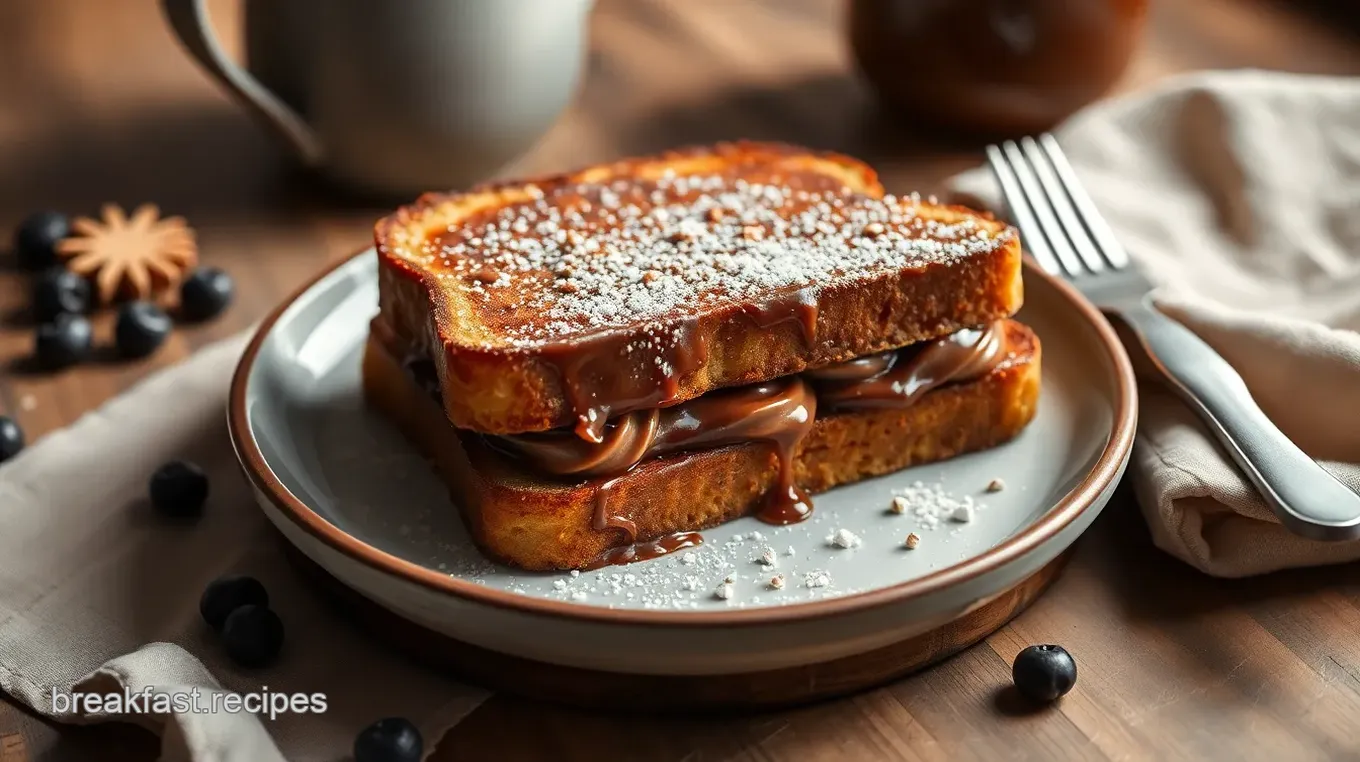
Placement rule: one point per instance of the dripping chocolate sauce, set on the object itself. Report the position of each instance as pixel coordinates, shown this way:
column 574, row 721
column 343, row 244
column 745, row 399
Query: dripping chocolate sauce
column 610, row 372
column 779, row 412
column 614, row 372
column 645, row 551
column 795, row 307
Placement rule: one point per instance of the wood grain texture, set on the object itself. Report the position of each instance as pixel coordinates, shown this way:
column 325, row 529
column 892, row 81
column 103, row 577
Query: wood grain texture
column 13, row 748
column 100, row 105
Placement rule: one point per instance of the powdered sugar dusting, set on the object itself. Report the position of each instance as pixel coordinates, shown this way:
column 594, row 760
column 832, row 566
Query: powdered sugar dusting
column 745, row 569
column 591, row 256
column 744, row 564
column 931, row 505
column 735, row 572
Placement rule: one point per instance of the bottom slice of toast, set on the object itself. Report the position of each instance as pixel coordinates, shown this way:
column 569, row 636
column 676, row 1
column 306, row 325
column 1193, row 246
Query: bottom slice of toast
column 542, row 523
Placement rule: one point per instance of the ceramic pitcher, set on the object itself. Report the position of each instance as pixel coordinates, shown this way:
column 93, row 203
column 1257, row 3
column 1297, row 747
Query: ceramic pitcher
column 399, row 96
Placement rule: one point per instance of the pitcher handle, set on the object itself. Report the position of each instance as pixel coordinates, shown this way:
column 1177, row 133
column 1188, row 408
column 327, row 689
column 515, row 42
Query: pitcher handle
column 189, row 20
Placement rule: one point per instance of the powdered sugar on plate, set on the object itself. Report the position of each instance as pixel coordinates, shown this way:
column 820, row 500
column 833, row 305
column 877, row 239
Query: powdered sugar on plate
column 844, row 539
column 932, row 506
column 746, row 569
column 867, row 538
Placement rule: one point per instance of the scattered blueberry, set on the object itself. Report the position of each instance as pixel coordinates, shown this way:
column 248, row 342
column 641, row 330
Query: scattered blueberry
column 253, row 635
column 206, row 292
column 179, row 489
column 59, row 291
column 63, row 342
column 35, row 242
column 141, row 328
column 226, row 594
column 11, row 438
column 1043, row 673
column 394, row 739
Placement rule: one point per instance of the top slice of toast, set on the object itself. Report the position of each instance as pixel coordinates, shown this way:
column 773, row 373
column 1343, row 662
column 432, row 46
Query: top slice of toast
column 563, row 300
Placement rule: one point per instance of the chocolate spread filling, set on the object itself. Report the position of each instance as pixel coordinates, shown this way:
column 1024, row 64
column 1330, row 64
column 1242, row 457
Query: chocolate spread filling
column 780, row 412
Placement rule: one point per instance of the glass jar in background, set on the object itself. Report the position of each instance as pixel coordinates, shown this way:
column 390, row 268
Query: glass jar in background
column 993, row 67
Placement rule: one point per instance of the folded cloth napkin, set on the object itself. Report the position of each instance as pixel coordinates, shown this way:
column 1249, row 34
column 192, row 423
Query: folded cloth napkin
column 1237, row 195
column 98, row 595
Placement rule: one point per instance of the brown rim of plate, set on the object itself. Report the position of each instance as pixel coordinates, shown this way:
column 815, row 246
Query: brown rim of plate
column 1077, row 500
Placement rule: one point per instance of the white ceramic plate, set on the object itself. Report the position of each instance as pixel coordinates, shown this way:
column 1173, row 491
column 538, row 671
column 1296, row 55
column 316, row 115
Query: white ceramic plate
column 345, row 487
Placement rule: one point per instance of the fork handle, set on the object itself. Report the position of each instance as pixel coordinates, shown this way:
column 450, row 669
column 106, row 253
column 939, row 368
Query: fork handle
column 1308, row 500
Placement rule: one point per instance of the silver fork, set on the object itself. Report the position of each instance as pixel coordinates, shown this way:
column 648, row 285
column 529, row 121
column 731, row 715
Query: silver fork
column 1068, row 237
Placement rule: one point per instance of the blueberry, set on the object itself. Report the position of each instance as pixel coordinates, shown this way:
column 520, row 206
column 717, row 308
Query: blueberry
column 394, row 739
column 11, row 438
column 226, row 594
column 35, row 242
column 59, row 291
column 141, row 328
column 206, row 292
column 179, row 489
column 252, row 635
column 63, row 342
column 1043, row 673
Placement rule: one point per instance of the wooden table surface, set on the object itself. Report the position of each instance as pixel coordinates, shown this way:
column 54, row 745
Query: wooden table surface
column 98, row 104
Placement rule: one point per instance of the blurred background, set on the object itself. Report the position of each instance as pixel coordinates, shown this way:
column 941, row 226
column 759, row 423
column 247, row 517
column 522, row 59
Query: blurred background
column 99, row 103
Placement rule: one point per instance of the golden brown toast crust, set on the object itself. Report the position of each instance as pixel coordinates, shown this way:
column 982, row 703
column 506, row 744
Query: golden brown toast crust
column 539, row 523
column 495, row 319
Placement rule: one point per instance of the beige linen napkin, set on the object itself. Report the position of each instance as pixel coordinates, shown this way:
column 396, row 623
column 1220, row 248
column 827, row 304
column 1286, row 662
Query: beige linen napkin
column 98, row 593
column 1239, row 195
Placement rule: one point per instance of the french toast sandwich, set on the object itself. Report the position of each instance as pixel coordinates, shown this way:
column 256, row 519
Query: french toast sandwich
column 602, row 363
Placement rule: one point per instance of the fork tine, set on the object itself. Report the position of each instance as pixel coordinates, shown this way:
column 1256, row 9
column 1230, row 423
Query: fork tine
column 1062, row 206
column 1034, row 239
column 1043, row 210
column 1086, row 208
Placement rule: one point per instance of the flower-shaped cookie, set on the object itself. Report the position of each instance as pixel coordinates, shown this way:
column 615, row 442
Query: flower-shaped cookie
column 130, row 258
